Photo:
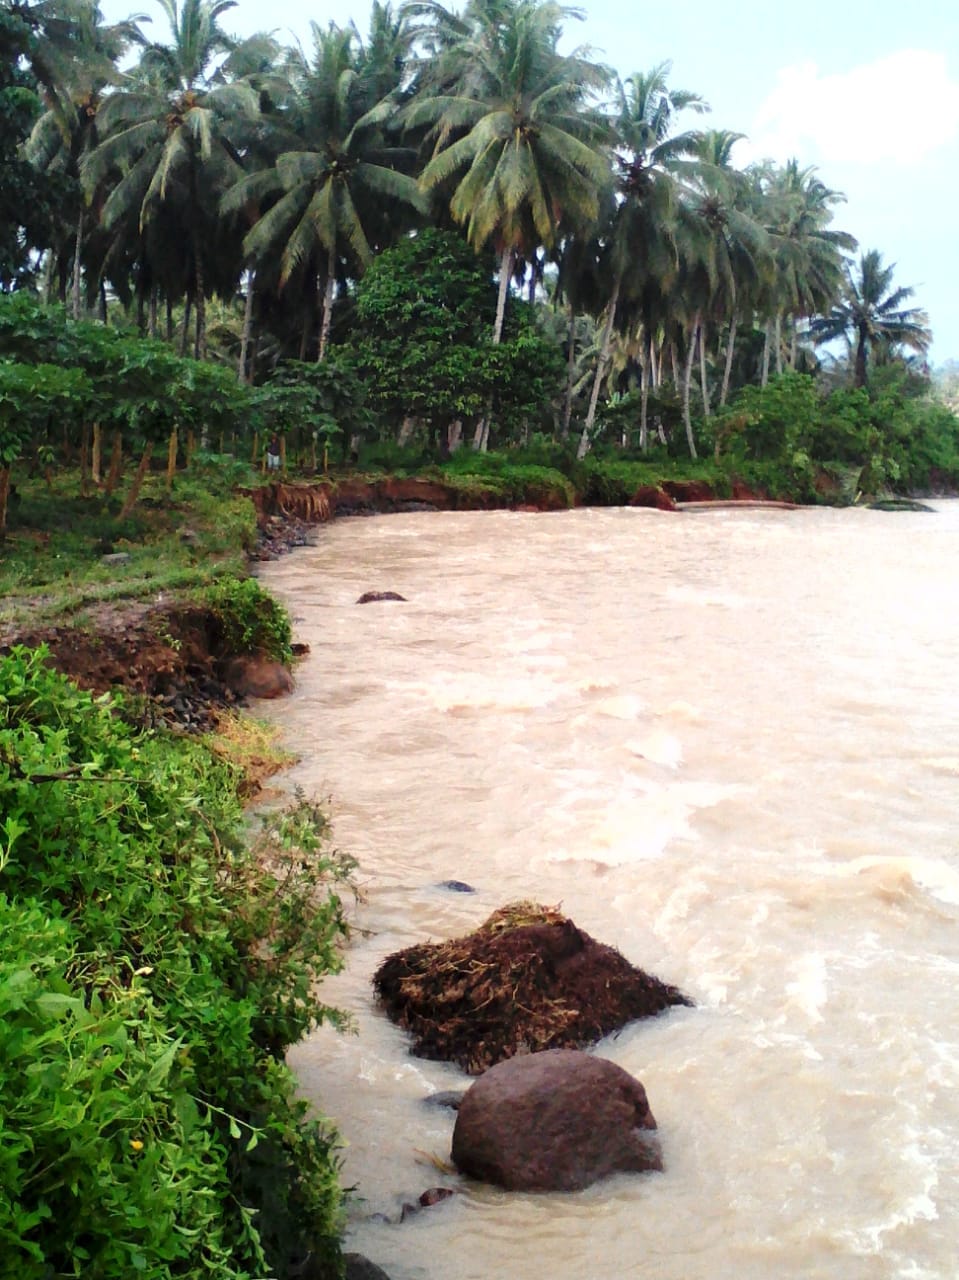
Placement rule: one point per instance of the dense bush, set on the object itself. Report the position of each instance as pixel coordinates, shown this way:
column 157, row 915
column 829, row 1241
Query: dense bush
column 252, row 621
column 153, row 968
column 889, row 435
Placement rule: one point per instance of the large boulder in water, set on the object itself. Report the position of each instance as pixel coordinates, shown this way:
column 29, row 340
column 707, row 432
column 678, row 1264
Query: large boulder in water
column 527, row 980
column 555, row 1121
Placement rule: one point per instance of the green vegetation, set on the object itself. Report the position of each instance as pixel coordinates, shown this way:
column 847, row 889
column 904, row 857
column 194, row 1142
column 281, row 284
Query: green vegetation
column 252, row 621
column 53, row 563
column 349, row 230
column 447, row 249
column 154, row 965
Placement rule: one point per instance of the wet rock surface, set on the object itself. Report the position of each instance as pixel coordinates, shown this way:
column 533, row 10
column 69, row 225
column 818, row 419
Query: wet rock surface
column 357, row 1267
column 554, row 1121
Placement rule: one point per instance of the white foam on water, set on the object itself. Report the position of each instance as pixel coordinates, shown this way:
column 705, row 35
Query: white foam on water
column 465, row 693
column 891, row 875
column 625, row 706
column 917, row 1205
column 659, row 747
column 641, row 828
column 682, row 710
column 708, row 599
column 595, row 684
column 943, row 764
column 809, row 987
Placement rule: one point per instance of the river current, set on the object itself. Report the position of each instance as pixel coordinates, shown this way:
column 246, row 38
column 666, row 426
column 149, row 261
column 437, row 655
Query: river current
column 727, row 743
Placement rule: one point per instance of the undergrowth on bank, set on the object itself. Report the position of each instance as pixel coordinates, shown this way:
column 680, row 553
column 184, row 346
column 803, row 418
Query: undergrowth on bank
column 172, row 542
column 251, row 620
column 155, row 963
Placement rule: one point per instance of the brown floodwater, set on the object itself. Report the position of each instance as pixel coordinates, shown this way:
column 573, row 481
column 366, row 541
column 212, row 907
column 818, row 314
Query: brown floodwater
column 728, row 744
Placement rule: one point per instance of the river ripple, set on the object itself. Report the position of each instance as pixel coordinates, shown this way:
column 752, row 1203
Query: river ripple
column 728, row 744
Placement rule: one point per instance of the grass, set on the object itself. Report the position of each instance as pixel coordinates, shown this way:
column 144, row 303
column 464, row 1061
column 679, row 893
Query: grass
column 252, row 746
column 52, row 562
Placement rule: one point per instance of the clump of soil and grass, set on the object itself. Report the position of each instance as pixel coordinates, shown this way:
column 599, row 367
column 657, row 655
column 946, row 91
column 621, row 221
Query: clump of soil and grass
column 527, row 980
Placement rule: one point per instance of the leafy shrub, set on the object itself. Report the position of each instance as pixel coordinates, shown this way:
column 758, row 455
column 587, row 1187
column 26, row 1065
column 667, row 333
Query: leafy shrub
column 252, row 621
column 153, row 969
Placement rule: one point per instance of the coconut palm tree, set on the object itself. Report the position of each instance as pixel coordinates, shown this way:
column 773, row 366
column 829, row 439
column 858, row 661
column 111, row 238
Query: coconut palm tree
column 172, row 138
column 82, row 68
column 648, row 160
column 727, row 249
column 331, row 193
column 870, row 312
column 808, row 252
column 512, row 130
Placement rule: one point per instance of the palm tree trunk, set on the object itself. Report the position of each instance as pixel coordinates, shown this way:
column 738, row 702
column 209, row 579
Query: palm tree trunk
column 507, row 257
column 199, row 345
column 674, row 361
column 727, row 371
column 702, row 370
column 327, row 322
column 247, row 328
column 570, row 372
column 764, row 377
column 601, row 364
column 687, row 379
column 152, row 321
column 169, row 319
column 779, row 342
column 78, row 245
column 505, row 272
column 794, row 344
column 4, row 496
column 187, row 310
column 531, row 287
column 861, row 347
column 643, row 403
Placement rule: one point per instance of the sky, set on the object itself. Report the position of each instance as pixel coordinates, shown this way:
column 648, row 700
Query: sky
column 868, row 93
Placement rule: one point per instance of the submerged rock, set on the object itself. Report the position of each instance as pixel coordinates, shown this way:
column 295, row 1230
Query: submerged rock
column 555, row 1121
column 357, row 1267
column 445, row 1098
column 899, row 504
column 526, row 980
column 373, row 597
column 251, row 676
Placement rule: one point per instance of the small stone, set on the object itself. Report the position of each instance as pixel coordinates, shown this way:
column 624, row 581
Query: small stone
column 445, row 1098
column 456, row 886
column 426, row 1201
column 372, row 597
column 360, row 1268
column 116, row 557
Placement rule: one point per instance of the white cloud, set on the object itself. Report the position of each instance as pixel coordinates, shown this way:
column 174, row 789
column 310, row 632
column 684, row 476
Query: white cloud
column 899, row 109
